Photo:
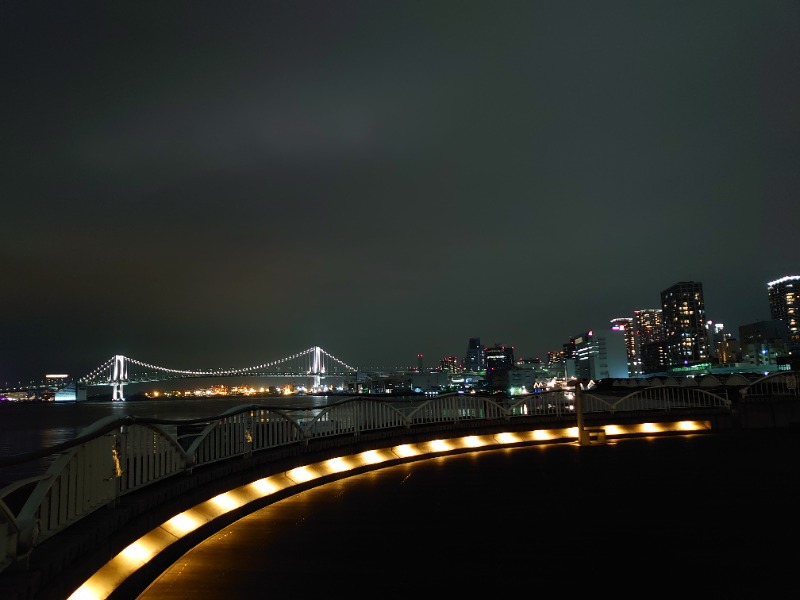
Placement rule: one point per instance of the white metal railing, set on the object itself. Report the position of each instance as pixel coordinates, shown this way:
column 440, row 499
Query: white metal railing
column 557, row 403
column 780, row 384
column 114, row 456
column 666, row 397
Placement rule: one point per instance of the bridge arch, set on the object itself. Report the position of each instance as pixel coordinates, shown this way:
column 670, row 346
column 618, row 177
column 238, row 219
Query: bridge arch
column 774, row 384
column 456, row 407
column 242, row 430
column 108, row 458
column 663, row 397
column 354, row 414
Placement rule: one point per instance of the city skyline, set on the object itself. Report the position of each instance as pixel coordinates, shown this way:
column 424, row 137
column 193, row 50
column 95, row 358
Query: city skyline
column 421, row 362
column 214, row 186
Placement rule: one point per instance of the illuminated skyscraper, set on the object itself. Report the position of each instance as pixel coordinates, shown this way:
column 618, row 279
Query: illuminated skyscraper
column 715, row 334
column 475, row 360
column 783, row 306
column 648, row 333
column 499, row 361
column 600, row 355
column 685, row 341
column 624, row 325
column 451, row 364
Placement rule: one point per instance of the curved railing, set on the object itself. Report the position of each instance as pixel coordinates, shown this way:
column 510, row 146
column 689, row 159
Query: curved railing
column 660, row 398
column 781, row 384
column 118, row 456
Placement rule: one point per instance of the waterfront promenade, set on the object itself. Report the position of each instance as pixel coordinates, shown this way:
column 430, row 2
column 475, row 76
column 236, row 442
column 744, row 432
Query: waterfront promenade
column 678, row 516
column 708, row 512
column 154, row 507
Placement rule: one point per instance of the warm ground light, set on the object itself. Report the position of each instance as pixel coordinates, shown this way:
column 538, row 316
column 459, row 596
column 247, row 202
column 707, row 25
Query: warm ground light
column 108, row 578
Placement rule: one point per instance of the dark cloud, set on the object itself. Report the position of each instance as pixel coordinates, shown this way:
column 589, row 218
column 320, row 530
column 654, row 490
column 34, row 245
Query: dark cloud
column 197, row 185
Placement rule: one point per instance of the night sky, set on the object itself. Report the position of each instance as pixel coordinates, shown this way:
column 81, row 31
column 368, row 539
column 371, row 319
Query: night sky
column 214, row 185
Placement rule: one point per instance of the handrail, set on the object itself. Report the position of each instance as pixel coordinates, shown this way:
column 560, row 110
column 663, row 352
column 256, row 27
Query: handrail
column 120, row 455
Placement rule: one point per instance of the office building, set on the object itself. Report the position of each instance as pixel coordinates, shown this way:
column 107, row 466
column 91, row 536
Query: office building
column 451, row 364
column 764, row 342
column 600, row 355
column 499, row 361
column 729, row 351
column 475, row 360
column 560, row 366
column 715, row 336
column 684, row 314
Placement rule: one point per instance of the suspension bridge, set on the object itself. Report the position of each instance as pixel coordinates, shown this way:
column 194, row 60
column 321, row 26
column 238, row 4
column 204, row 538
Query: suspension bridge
column 314, row 363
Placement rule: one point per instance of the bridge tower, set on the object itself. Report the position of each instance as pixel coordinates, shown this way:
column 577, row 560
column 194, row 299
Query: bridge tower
column 118, row 377
column 316, row 367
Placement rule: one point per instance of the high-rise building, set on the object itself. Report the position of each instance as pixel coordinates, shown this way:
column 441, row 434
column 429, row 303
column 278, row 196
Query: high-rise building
column 499, row 361
column 475, row 360
column 648, row 328
column 600, row 355
column 624, row 326
column 764, row 342
column 648, row 325
column 654, row 357
column 715, row 336
column 684, row 316
column 451, row 364
column 559, row 365
column 784, row 306
column 729, row 351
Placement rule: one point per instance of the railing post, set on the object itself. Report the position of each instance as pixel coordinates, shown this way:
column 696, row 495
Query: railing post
column 27, row 536
column 583, row 435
